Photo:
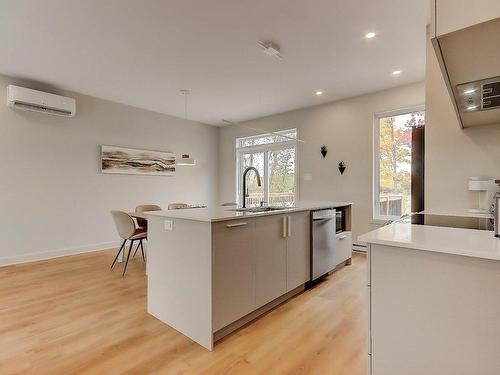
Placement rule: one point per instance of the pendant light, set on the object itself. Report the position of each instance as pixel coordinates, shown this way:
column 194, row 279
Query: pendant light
column 185, row 159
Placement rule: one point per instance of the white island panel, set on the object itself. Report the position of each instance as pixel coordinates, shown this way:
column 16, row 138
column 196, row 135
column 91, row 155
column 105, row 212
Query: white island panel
column 433, row 313
column 180, row 276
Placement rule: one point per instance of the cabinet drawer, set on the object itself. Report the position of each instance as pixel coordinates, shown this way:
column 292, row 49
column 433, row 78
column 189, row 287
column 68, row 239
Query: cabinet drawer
column 343, row 247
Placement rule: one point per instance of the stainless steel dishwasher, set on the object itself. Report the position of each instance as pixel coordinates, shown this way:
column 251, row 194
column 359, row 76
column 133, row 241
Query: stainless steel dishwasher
column 323, row 242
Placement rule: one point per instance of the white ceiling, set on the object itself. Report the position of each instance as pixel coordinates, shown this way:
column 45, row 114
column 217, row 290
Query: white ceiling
column 142, row 53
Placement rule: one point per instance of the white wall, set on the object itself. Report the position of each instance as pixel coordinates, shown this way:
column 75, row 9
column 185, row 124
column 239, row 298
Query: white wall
column 453, row 154
column 54, row 199
column 346, row 128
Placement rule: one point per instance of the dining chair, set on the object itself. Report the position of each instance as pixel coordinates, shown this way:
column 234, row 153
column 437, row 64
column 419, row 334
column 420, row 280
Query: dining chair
column 127, row 230
column 143, row 223
column 177, row 206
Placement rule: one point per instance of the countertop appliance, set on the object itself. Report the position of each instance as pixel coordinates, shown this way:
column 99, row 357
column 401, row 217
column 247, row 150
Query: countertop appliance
column 485, row 188
column 323, row 242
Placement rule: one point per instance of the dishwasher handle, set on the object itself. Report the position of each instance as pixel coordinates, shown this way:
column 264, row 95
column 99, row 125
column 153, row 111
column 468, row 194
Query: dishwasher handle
column 324, row 218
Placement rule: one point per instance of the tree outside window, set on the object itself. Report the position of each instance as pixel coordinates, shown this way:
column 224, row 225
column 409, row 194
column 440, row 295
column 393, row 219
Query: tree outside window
column 393, row 163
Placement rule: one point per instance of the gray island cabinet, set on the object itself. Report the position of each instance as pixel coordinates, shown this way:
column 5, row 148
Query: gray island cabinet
column 212, row 271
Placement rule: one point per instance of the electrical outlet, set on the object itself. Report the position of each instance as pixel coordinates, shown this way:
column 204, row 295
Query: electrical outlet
column 169, row 225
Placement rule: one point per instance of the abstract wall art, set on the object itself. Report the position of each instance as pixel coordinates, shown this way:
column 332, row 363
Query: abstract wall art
column 121, row 160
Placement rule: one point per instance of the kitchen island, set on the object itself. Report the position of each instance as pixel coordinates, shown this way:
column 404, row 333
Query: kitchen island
column 212, row 270
column 433, row 295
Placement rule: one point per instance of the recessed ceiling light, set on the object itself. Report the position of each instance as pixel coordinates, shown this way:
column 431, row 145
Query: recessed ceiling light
column 318, row 93
column 396, row 72
column 370, row 35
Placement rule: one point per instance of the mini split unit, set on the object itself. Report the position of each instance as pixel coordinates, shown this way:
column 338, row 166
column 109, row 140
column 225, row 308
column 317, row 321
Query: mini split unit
column 39, row 101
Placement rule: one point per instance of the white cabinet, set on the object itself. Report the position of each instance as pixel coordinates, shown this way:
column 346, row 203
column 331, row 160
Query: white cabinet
column 298, row 263
column 271, row 255
column 343, row 247
column 452, row 15
column 234, row 253
column 433, row 313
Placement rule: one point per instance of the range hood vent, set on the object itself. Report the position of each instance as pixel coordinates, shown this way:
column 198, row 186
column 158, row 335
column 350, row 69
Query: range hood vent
column 470, row 62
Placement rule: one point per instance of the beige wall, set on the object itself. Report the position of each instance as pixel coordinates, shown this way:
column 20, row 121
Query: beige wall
column 453, row 154
column 346, row 128
column 53, row 197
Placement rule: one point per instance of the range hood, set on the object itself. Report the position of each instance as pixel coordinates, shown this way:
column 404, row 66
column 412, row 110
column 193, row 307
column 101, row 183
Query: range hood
column 470, row 62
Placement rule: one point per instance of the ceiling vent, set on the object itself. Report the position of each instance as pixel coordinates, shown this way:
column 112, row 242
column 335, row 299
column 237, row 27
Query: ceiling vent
column 271, row 49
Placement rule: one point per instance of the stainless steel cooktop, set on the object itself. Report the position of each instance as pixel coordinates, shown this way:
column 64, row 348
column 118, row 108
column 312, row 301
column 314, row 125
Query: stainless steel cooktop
column 466, row 222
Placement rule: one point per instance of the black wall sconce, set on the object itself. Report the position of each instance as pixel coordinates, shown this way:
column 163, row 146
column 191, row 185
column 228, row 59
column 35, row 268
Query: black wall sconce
column 323, row 151
column 342, row 167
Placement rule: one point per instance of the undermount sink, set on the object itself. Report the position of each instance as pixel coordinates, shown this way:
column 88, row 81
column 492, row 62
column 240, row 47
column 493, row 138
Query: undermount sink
column 258, row 209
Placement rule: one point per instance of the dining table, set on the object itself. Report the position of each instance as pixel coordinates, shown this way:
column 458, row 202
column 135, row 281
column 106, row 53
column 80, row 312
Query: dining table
column 143, row 215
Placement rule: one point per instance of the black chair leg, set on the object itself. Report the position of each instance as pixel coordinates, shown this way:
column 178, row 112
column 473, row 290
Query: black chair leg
column 119, row 251
column 137, row 248
column 142, row 251
column 128, row 256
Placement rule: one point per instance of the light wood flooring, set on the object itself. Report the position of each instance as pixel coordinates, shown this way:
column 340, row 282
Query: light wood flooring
column 73, row 315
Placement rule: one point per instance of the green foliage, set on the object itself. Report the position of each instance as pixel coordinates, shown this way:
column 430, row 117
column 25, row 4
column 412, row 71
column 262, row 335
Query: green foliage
column 281, row 171
column 395, row 156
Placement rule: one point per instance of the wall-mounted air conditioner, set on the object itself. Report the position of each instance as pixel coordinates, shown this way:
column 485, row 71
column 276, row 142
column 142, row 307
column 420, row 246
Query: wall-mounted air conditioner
column 39, row 101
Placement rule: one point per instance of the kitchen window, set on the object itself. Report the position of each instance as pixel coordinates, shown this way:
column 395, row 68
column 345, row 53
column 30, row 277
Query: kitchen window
column 275, row 157
column 399, row 149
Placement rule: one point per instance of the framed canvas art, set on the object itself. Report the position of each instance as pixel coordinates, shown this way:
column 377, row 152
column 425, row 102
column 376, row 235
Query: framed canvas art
column 121, row 160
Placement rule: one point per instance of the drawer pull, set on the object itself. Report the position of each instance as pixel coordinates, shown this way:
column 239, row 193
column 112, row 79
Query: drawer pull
column 285, row 223
column 235, row 225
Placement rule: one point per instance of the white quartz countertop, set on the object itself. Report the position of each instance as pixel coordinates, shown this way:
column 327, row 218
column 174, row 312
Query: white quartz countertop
column 467, row 242
column 215, row 214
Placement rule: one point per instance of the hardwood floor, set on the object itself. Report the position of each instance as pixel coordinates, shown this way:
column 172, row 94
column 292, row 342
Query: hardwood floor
column 73, row 315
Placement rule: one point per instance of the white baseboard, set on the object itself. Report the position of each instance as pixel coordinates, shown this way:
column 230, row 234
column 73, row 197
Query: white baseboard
column 50, row 254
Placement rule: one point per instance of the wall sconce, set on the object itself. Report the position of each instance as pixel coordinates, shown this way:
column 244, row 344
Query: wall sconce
column 185, row 160
column 342, row 167
column 323, row 151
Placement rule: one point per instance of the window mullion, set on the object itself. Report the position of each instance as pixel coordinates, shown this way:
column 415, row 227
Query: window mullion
column 266, row 176
column 376, row 169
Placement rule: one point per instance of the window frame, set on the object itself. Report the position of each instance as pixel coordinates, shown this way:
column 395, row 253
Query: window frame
column 376, row 217
column 265, row 148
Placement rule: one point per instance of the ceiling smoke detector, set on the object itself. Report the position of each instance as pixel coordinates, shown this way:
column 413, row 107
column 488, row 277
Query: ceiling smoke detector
column 271, row 49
